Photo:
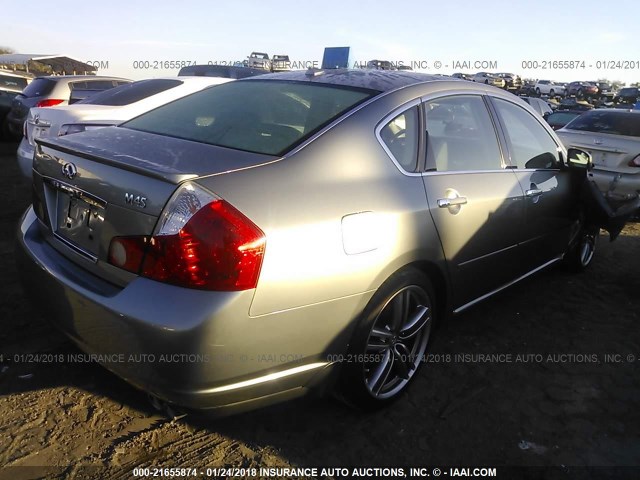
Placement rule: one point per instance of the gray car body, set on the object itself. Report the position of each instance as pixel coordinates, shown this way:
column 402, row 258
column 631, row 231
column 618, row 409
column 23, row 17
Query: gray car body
column 280, row 340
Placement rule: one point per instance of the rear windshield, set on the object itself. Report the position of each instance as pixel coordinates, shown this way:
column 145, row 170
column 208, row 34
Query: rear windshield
column 561, row 117
column 131, row 92
column 269, row 117
column 39, row 87
column 12, row 83
column 616, row 123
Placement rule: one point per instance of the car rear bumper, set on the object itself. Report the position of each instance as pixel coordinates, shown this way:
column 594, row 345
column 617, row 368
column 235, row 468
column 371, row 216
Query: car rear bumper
column 617, row 184
column 200, row 350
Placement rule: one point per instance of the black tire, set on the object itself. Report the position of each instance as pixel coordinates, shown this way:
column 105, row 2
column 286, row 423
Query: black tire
column 580, row 254
column 538, row 91
column 390, row 340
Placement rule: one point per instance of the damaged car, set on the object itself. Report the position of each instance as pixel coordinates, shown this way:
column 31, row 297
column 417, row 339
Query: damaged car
column 612, row 138
column 296, row 232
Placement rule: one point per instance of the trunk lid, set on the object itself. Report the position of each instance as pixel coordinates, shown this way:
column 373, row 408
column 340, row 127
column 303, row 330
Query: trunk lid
column 609, row 152
column 93, row 186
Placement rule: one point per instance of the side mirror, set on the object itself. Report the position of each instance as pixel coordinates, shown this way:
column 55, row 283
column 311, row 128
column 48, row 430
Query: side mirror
column 579, row 159
column 545, row 115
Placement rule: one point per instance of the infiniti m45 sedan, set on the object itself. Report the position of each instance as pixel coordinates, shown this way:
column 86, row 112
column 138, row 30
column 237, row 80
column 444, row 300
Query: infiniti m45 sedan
column 282, row 234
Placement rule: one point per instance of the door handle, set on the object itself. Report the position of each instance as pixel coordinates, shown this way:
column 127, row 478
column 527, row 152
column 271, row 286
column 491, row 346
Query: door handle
column 533, row 192
column 451, row 202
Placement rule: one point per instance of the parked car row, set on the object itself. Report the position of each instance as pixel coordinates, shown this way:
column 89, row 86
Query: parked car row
column 594, row 91
column 508, row 81
column 50, row 91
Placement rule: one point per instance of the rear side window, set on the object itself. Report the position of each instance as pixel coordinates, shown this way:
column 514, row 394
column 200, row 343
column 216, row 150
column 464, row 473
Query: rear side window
column 615, row 123
column 400, row 136
column 39, row 87
column 132, row 92
column 460, row 135
column 269, row 117
column 530, row 144
column 12, row 83
column 561, row 117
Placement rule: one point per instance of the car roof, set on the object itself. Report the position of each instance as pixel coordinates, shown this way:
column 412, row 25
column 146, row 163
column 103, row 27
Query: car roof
column 613, row 111
column 381, row 80
column 12, row 73
column 579, row 112
column 83, row 77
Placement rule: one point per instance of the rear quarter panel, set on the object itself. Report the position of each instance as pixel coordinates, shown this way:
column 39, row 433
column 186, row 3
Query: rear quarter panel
column 301, row 201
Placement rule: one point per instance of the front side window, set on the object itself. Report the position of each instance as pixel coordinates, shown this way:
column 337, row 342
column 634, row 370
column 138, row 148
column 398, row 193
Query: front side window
column 460, row 135
column 261, row 116
column 530, row 144
column 400, row 136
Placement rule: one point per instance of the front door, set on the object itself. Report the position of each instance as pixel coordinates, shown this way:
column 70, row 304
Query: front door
column 476, row 202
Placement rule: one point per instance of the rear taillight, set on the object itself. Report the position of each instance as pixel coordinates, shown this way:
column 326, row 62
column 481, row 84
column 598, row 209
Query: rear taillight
column 128, row 252
column 49, row 102
column 635, row 162
column 201, row 241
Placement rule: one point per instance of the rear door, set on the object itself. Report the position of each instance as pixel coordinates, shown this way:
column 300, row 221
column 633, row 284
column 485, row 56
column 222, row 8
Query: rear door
column 548, row 187
column 475, row 201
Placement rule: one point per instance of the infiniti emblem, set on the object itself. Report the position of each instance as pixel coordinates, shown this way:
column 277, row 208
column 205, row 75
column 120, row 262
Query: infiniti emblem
column 69, row 170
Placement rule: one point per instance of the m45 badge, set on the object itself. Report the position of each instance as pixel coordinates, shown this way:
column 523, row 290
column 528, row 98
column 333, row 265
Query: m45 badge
column 135, row 200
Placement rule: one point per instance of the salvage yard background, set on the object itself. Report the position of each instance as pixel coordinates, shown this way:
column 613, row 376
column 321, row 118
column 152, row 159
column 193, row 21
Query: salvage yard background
column 537, row 413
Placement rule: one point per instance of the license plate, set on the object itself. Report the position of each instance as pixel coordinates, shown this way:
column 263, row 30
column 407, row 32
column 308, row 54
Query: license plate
column 79, row 219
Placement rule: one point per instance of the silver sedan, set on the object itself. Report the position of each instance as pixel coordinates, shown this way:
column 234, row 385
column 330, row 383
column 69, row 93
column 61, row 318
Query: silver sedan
column 612, row 138
column 252, row 242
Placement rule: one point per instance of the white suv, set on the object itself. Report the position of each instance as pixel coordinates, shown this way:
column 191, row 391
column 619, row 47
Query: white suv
column 548, row 87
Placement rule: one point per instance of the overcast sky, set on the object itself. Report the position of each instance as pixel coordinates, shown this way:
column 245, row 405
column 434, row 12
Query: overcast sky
column 124, row 34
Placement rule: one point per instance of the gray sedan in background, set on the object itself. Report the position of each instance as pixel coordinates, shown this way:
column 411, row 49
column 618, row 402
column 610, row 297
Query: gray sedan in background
column 252, row 242
column 612, row 138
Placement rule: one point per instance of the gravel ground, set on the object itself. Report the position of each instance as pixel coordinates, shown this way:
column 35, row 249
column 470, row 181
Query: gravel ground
column 563, row 392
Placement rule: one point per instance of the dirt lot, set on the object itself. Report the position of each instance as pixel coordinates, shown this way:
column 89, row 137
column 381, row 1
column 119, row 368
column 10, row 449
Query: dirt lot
column 559, row 401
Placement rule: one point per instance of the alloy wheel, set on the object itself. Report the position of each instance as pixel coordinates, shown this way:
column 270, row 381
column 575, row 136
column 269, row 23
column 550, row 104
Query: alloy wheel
column 397, row 342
